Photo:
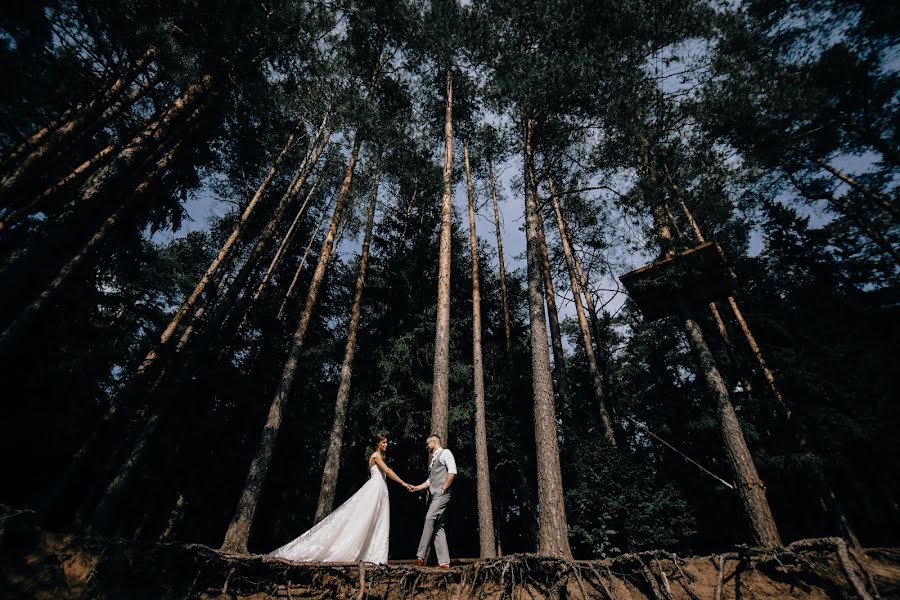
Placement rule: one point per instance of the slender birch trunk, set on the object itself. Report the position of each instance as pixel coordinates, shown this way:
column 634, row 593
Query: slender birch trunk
column 504, row 296
column 239, row 530
column 593, row 368
column 482, row 465
column 553, row 537
column 335, row 440
column 440, row 409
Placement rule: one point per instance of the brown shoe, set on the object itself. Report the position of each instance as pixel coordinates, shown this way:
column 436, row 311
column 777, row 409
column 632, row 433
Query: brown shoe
column 444, row 566
column 420, row 562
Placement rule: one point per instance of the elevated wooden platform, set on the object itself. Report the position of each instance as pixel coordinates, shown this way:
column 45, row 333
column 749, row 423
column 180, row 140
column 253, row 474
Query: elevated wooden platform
column 700, row 274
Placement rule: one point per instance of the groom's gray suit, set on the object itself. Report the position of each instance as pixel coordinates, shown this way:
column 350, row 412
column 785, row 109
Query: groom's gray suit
column 434, row 518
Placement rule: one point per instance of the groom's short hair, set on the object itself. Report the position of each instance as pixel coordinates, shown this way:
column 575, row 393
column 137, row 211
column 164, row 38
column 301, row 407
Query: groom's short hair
column 437, row 437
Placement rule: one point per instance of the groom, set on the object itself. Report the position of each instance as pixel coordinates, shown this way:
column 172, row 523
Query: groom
column 440, row 477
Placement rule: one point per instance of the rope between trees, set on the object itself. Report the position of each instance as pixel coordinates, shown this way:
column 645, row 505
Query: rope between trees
column 679, row 452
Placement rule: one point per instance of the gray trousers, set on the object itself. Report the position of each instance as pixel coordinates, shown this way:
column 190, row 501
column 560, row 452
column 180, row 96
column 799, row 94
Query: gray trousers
column 434, row 529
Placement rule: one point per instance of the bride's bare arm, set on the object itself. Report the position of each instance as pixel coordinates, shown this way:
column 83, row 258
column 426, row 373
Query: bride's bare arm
column 387, row 470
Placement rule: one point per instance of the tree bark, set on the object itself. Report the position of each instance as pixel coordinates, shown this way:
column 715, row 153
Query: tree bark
column 552, row 529
column 32, row 157
column 504, row 296
column 279, row 253
column 224, row 252
column 440, row 409
column 27, row 316
column 302, row 263
column 593, row 367
column 750, row 488
column 482, row 466
column 866, row 191
column 333, row 455
column 239, row 530
column 738, row 315
column 559, row 356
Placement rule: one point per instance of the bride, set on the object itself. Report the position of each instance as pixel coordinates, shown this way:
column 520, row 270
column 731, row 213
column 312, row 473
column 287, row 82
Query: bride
column 358, row 529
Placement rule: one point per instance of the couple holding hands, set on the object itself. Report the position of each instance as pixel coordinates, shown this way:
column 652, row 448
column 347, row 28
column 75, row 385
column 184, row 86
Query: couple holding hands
column 358, row 530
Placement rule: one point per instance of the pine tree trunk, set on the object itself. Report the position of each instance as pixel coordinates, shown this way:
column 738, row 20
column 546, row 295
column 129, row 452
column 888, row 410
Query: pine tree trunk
column 192, row 302
column 279, row 253
column 559, row 356
column 152, row 136
column 32, row 157
column 504, row 296
column 229, row 301
column 176, row 517
column 107, row 187
column 406, row 216
column 440, row 395
column 89, row 165
column 750, row 488
column 116, row 490
column 588, row 296
column 115, row 88
column 732, row 303
column 224, row 252
column 239, row 530
column 28, row 315
column 593, row 368
column 482, row 466
column 886, row 204
column 553, row 537
column 302, row 263
column 333, row 456
column 103, row 515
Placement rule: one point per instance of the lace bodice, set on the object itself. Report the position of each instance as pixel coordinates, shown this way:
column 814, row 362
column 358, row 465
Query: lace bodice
column 374, row 471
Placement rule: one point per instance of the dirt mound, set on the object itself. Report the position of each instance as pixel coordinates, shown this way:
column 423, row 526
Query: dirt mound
column 43, row 565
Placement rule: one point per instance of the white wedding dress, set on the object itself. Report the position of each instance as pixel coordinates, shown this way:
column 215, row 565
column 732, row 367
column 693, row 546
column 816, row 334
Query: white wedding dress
column 356, row 531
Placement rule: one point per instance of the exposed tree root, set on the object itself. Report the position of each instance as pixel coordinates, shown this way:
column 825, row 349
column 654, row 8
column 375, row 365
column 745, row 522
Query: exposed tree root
column 38, row 564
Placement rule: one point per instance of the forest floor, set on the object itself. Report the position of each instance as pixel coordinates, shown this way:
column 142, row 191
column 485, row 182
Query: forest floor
column 42, row 565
